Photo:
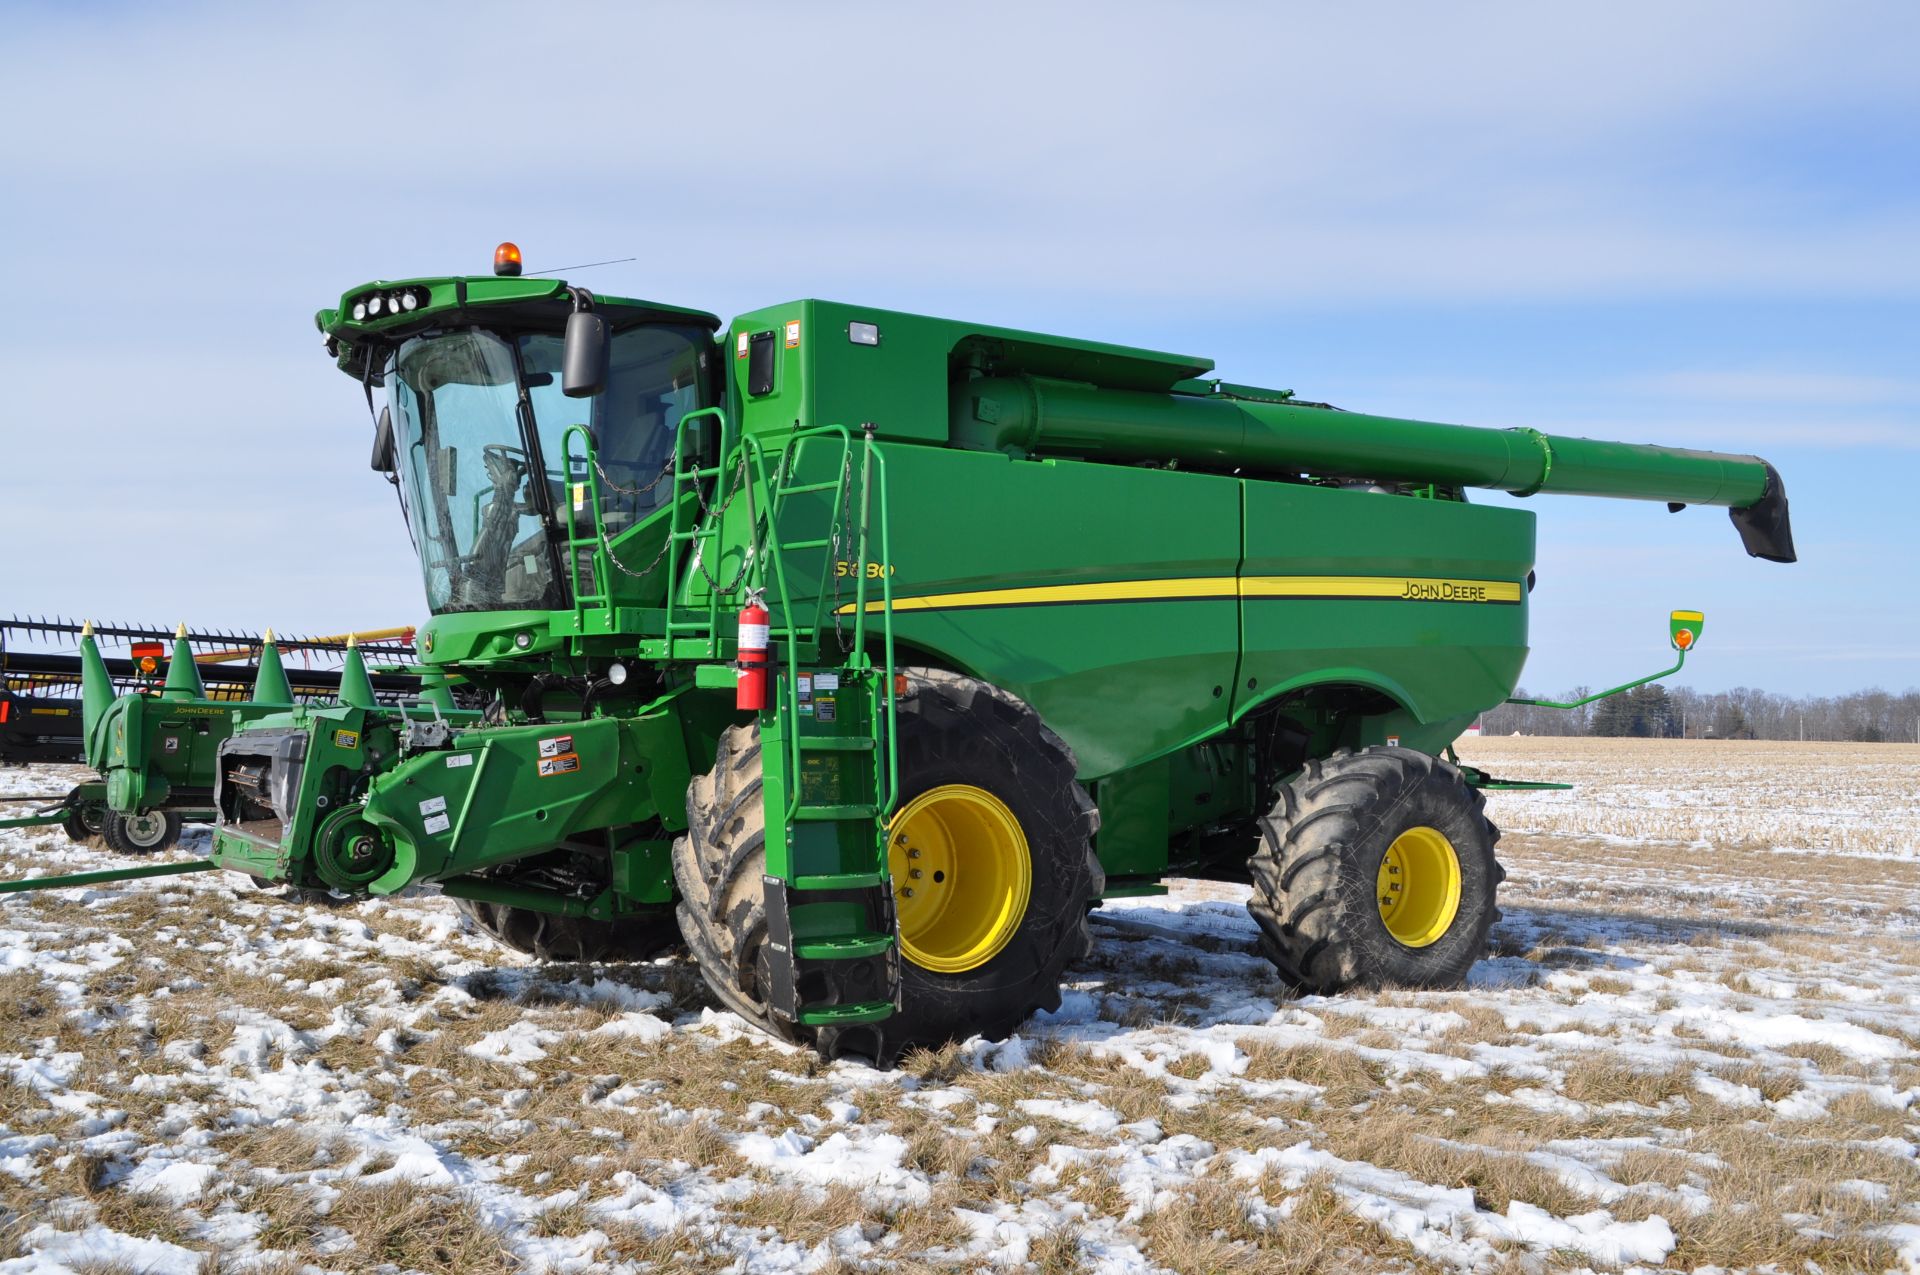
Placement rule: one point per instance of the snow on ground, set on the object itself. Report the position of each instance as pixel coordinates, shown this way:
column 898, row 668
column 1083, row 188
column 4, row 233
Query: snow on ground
column 1677, row 1056
column 1820, row 798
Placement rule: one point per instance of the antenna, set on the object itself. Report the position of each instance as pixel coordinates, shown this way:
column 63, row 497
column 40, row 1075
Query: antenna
column 585, row 265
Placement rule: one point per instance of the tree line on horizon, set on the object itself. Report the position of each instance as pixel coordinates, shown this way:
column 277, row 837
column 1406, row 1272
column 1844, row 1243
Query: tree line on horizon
column 1656, row 712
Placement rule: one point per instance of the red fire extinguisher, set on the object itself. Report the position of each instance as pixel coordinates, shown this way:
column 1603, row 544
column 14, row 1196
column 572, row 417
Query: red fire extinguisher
column 750, row 670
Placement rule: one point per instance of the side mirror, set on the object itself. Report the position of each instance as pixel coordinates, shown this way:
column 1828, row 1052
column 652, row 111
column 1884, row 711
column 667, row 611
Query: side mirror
column 1684, row 629
column 583, row 364
column 382, row 461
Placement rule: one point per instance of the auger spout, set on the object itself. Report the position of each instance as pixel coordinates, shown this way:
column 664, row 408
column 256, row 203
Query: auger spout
column 1225, row 430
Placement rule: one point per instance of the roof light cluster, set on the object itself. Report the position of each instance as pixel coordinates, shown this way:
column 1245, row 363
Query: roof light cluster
column 381, row 305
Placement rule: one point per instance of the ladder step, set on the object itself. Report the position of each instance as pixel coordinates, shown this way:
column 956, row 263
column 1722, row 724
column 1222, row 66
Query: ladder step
column 797, row 545
column 832, row 814
column 835, row 743
column 859, row 1012
column 804, row 488
column 839, row 880
column 846, row 948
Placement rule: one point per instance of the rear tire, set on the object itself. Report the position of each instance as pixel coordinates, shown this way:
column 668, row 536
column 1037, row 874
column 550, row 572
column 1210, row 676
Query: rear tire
column 1376, row 869
column 148, row 833
column 546, row 936
column 85, row 825
column 955, row 733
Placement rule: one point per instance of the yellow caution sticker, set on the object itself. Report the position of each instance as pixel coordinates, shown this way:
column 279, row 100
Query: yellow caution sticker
column 346, row 739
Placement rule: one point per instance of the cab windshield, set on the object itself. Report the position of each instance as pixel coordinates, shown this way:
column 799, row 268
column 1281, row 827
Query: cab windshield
column 482, row 490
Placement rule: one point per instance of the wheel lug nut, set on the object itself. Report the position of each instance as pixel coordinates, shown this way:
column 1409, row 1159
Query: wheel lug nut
column 914, row 873
column 913, row 854
column 907, row 893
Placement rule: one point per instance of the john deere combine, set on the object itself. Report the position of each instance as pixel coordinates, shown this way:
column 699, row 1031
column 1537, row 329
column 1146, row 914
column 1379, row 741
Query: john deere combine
column 865, row 652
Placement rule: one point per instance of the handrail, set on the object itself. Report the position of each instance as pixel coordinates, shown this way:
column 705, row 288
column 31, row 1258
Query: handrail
column 683, row 477
column 765, row 564
column 871, row 455
column 574, row 542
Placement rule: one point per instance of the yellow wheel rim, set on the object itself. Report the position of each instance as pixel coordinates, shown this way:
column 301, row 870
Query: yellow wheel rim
column 962, row 876
column 1418, row 886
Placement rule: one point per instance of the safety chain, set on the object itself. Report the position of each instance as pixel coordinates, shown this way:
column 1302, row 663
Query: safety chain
column 626, row 570
column 741, row 484
column 666, row 471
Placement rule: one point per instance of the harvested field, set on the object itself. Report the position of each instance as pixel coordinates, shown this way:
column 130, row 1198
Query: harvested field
column 1695, row 1044
column 1847, row 799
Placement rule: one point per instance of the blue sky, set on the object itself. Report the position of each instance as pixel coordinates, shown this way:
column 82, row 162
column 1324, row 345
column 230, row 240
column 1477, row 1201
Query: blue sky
column 1690, row 224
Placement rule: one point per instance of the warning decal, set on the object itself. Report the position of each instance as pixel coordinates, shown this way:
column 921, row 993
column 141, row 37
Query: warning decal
column 554, row 745
column 565, row 764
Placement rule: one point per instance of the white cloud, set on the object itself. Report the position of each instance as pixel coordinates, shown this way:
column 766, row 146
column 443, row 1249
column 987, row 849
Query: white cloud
column 1207, row 154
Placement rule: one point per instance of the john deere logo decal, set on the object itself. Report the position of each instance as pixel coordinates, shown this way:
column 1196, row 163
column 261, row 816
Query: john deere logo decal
column 1444, row 591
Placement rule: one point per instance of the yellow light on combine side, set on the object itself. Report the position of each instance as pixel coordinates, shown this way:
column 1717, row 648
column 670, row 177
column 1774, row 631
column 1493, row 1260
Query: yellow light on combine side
column 506, row 259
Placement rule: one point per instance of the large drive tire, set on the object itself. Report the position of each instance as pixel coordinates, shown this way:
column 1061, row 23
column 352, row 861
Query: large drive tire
column 975, row 764
column 146, row 833
column 1376, row 869
column 569, row 939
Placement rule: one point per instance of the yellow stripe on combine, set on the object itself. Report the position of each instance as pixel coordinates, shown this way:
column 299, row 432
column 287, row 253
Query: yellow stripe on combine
column 1214, row 589
column 1183, row 590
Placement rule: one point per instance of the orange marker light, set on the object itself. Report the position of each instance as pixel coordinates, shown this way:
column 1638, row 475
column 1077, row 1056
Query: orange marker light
column 506, row 259
column 148, row 664
column 1683, row 639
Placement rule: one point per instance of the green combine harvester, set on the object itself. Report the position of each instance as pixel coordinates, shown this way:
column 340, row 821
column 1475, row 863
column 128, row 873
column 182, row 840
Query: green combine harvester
column 864, row 653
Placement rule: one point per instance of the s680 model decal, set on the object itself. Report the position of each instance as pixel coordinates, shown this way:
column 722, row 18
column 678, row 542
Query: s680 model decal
column 875, row 570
